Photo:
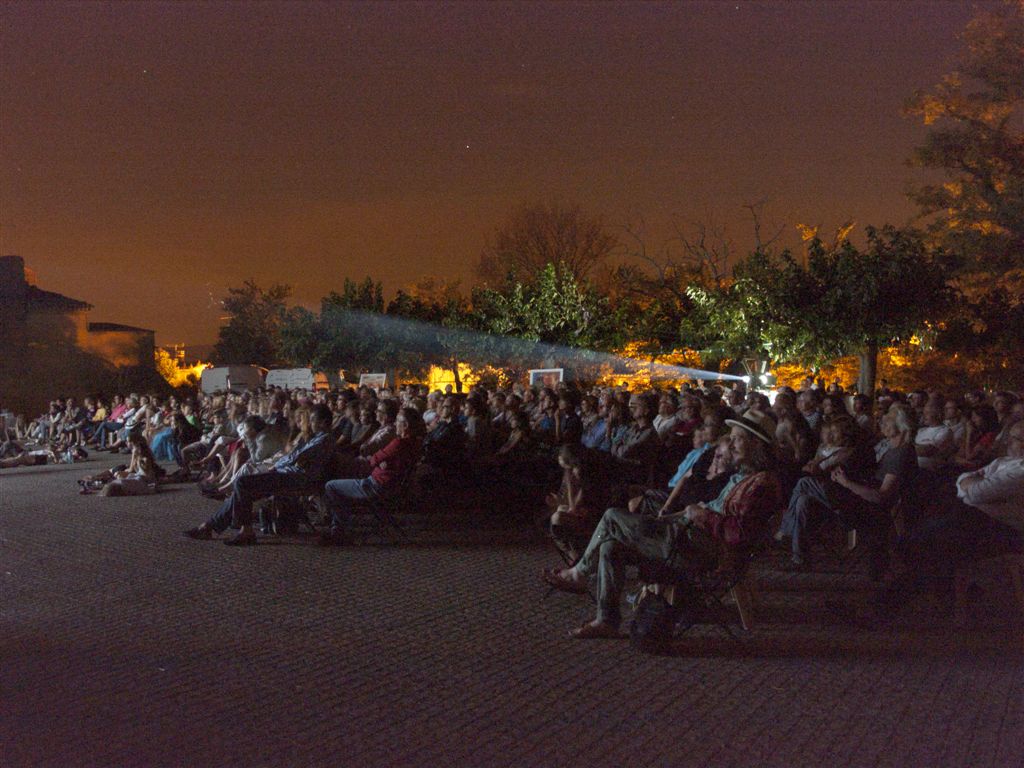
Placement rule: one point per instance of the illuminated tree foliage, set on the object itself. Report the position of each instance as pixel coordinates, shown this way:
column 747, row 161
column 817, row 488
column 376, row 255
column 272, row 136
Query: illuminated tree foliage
column 843, row 300
column 975, row 117
column 252, row 332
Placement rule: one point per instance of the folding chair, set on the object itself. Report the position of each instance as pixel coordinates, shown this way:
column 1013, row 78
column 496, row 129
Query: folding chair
column 383, row 510
column 700, row 594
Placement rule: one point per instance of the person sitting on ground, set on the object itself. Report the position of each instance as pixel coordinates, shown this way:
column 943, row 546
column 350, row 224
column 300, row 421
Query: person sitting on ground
column 701, row 538
column 386, row 470
column 139, row 478
column 301, row 470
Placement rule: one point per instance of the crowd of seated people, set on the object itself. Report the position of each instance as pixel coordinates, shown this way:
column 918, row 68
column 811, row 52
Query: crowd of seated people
column 926, row 479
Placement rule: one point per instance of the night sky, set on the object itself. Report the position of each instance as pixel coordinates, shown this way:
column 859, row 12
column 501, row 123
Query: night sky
column 154, row 154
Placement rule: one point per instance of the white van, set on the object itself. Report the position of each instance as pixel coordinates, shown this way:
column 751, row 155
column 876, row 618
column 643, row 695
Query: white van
column 237, row 378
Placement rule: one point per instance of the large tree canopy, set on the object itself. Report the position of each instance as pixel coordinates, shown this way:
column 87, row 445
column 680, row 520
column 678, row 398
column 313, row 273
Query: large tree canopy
column 975, row 118
column 842, row 300
column 251, row 334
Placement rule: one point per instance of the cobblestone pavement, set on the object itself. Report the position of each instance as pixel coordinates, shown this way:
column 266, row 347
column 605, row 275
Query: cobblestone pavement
column 124, row 644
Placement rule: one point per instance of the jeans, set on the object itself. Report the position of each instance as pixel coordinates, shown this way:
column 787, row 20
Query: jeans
column 813, row 498
column 104, row 428
column 623, row 538
column 247, row 489
column 342, row 495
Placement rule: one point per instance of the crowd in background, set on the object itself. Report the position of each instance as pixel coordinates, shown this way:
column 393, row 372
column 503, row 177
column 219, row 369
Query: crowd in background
column 945, row 469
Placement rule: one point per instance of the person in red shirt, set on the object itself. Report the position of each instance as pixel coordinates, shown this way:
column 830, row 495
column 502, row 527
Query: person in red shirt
column 387, row 468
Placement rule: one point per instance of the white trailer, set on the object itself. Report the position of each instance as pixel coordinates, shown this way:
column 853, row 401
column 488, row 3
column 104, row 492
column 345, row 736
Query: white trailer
column 237, row 378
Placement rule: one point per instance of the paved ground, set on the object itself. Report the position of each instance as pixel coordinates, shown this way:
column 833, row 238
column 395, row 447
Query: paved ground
column 124, row 644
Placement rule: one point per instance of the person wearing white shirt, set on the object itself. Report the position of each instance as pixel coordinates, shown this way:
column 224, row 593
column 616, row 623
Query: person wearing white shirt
column 934, row 441
column 955, row 420
column 667, row 418
column 988, row 521
column 997, row 489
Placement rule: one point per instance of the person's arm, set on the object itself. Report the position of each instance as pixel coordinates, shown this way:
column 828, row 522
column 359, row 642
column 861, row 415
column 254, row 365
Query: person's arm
column 385, row 453
column 890, row 486
column 986, row 487
column 966, row 440
column 676, row 490
column 979, row 452
column 573, row 491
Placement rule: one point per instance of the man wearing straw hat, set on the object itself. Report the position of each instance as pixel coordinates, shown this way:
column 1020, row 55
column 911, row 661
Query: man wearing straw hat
column 699, row 538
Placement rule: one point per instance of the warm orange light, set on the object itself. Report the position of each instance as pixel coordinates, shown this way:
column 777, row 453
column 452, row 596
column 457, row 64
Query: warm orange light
column 173, row 369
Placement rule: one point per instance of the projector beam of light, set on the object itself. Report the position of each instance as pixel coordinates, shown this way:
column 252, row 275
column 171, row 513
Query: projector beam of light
column 394, row 339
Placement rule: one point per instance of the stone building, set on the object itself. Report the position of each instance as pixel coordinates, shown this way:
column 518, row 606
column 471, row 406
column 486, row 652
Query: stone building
column 48, row 347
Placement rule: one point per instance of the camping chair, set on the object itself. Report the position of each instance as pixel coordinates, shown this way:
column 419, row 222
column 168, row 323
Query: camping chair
column 383, row 510
column 701, row 594
column 286, row 512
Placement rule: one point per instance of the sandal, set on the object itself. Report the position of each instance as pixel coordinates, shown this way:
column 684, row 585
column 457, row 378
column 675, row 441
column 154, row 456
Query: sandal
column 591, row 631
column 553, row 579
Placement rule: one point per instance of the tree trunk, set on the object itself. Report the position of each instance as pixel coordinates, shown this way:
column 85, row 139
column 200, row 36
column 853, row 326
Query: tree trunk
column 868, row 358
column 458, row 381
